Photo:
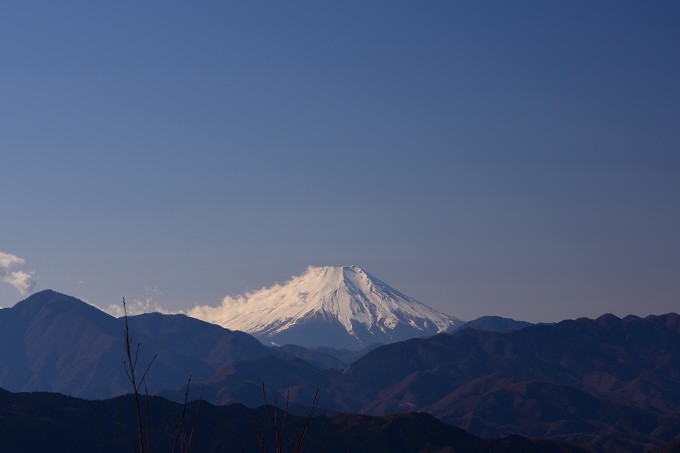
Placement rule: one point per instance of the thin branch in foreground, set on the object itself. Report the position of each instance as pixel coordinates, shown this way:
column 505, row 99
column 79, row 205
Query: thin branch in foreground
column 258, row 432
column 272, row 413
column 131, row 372
column 130, row 368
column 180, row 425
column 148, row 419
column 308, row 420
column 194, row 422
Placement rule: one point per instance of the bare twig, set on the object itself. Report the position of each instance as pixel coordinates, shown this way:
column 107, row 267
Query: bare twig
column 130, row 368
column 180, row 425
column 285, row 419
column 131, row 372
column 273, row 417
column 258, row 433
column 146, row 410
column 308, row 420
column 130, row 364
column 194, row 422
column 280, row 430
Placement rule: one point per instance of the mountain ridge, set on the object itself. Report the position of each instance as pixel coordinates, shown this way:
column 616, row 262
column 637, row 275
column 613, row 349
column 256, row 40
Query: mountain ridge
column 76, row 425
column 55, row 342
column 610, row 383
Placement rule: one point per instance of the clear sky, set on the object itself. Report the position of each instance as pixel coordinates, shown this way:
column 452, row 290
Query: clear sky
column 512, row 158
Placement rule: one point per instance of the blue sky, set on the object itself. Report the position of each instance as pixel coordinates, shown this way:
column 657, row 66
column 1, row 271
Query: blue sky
column 510, row 158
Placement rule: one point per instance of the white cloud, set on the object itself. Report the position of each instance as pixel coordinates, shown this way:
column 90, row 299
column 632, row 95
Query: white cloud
column 226, row 311
column 21, row 280
column 232, row 308
column 148, row 304
column 8, row 260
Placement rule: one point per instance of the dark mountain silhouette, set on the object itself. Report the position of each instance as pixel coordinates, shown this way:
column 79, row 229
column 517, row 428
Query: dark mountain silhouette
column 54, row 342
column 670, row 447
column 632, row 360
column 316, row 357
column 489, row 406
column 610, row 383
column 347, row 355
column 189, row 337
column 492, row 324
column 75, row 425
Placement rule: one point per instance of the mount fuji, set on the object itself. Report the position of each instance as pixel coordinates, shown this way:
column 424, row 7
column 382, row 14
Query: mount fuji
column 338, row 307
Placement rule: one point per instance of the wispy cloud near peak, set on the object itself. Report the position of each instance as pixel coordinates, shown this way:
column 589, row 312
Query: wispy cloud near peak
column 148, row 304
column 23, row 281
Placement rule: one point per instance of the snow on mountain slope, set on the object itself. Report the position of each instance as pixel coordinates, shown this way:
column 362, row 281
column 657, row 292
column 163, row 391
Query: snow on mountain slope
column 328, row 306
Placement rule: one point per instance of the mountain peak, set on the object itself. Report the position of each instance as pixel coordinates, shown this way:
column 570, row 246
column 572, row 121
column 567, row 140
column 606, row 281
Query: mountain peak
column 337, row 306
column 45, row 297
column 333, row 272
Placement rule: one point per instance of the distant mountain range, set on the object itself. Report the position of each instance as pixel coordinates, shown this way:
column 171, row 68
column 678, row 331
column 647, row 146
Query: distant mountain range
column 57, row 343
column 492, row 324
column 339, row 307
column 611, row 384
column 54, row 342
column 41, row 422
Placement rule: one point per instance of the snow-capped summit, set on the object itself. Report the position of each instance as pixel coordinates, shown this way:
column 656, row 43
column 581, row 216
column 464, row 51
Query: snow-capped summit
column 342, row 307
